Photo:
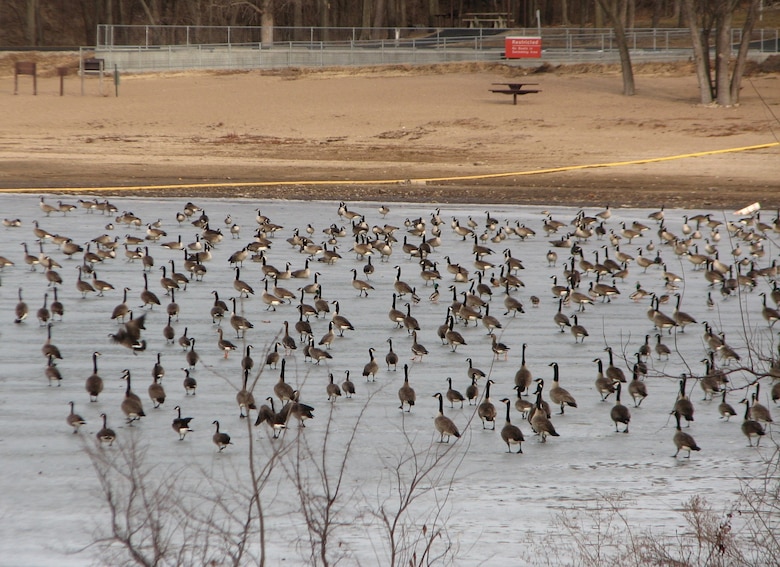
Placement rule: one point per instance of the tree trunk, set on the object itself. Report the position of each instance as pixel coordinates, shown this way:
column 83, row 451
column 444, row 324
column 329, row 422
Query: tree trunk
column 31, row 31
column 657, row 8
column 739, row 66
column 267, row 24
column 722, row 58
column 565, row 13
column 700, row 52
column 324, row 6
column 379, row 19
column 365, row 20
column 613, row 12
column 297, row 9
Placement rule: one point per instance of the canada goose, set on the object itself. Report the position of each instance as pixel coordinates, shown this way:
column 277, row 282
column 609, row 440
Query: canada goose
column 48, row 349
column 473, row 372
column 189, row 383
column 682, row 319
column 560, row 318
column 74, row 420
column 558, row 395
column 105, row 435
column 401, row 287
column 396, row 315
column 192, row 355
column 244, row 398
column 490, row 323
column 221, row 440
column 523, row 376
column 172, row 309
column 29, row 259
column 148, row 297
column 660, row 320
column 122, row 310
column 131, row 405
column 454, row 338
column 348, row 386
column 223, row 344
column 156, row 392
column 770, row 314
column 499, row 349
column 57, row 308
column 181, row 425
column 759, row 411
column 683, row 441
column 339, row 321
column 613, row 372
column 317, row 354
column 243, row 288
column 683, row 406
column 619, row 413
column 409, row 321
column 43, row 314
column 750, row 426
column 94, row 383
column 282, row 389
column 332, row 389
column 418, row 350
column 578, row 331
column 391, row 358
column 511, row 434
column 661, row 349
column 725, row 409
column 180, row 279
column 521, row 405
column 713, row 381
column 604, row 386
column 486, row 410
column 21, row 311
column 297, row 409
column 277, row 421
column 472, row 391
column 453, row 395
column 443, row 424
column 406, row 393
column 53, row 373
column 167, row 283
column 240, row 323
column 47, row 208
column 636, row 388
column 83, row 287
column 540, row 421
column 578, row 298
column 361, row 285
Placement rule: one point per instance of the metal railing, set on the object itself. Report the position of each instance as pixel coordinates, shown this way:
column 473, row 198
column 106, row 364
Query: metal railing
column 146, row 48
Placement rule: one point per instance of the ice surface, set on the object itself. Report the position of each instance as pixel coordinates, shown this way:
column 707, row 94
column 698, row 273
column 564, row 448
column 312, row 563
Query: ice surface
column 496, row 502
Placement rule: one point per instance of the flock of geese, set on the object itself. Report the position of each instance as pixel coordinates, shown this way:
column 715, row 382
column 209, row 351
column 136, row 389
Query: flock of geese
column 282, row 288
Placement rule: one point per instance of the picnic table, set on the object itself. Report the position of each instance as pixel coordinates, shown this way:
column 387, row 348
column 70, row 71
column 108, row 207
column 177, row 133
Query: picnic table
column 496, row 20
column 515, row 89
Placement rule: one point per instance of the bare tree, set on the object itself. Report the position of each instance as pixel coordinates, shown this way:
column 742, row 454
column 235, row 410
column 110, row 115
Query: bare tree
column 714, row 18
column 615, row 11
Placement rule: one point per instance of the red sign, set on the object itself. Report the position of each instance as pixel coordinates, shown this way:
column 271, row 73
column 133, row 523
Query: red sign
column 523, row 47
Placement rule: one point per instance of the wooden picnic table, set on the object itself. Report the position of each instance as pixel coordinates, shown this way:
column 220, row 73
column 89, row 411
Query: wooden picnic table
column 515, row 89
column 496, row 20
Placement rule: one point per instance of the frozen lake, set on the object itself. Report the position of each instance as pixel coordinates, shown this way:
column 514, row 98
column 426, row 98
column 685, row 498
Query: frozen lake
column 492, row 504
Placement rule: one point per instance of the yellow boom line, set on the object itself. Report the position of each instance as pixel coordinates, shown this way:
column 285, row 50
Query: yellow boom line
column 389, row 181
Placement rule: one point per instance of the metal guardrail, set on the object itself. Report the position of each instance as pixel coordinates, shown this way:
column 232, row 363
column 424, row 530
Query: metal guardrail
column 152, row 48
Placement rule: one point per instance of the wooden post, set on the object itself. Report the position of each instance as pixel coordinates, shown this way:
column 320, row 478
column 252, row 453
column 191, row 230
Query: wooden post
column 25, row 68
column 62, row 71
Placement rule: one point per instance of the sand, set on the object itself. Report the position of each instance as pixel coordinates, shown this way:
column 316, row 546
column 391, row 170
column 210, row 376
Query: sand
column 425, row 134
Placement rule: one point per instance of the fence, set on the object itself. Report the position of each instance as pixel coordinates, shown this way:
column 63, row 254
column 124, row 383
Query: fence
column 152, row 48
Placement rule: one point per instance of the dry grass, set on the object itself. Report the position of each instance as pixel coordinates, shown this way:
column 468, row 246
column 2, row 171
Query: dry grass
column 49, row 61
